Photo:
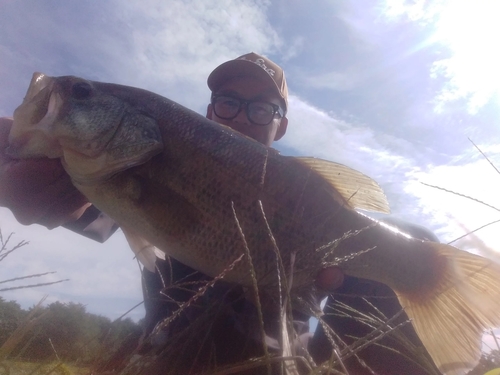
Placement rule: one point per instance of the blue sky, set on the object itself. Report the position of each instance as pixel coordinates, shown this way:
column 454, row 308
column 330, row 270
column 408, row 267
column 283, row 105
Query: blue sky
column 392, row 88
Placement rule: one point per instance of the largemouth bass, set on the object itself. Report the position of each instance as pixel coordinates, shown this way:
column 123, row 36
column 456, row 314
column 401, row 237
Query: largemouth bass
column 206, row 195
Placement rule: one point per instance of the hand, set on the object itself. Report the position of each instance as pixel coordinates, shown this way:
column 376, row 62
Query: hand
column 330, row 278
column 37, row 190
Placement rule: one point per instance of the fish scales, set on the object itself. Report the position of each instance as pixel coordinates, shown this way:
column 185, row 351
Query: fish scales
column 171, row 179
column 181, row 169
column 282, row 184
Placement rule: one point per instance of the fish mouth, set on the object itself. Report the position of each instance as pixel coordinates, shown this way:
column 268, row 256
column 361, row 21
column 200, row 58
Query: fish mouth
column 29, row 136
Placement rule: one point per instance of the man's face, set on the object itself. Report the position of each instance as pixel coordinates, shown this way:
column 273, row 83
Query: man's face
column 250, row 88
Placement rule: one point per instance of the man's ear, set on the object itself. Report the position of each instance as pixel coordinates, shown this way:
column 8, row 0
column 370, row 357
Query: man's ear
column 281, row 129
column 210, row 112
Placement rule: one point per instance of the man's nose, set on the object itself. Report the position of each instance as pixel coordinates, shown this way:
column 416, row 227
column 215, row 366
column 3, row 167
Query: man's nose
column 242, row 117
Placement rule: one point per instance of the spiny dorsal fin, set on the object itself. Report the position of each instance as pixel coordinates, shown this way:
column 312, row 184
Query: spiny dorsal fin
column 358, row 189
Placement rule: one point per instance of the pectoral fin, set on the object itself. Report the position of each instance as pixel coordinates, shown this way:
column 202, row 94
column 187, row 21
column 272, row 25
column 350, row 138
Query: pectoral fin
column 144, row 251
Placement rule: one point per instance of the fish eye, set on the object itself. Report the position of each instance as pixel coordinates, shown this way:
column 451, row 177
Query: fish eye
column 81, row 90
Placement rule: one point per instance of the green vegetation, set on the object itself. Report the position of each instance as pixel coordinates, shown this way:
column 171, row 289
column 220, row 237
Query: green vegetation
column 46, row 339
column 64, row 333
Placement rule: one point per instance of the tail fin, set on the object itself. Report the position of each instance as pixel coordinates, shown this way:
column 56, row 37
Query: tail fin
column 451, row 322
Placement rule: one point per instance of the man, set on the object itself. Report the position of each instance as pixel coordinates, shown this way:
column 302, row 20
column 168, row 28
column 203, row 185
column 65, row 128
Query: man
column 250, row 95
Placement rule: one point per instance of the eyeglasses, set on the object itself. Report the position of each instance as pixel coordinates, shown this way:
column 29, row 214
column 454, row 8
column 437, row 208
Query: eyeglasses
column 258, row 112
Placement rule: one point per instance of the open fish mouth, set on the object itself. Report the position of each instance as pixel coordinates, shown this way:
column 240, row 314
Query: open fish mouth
column 29, row 136
column 95, row 134
column 39, row 83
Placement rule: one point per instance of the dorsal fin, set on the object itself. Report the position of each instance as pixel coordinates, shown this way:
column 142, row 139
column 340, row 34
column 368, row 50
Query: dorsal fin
column 359, row 190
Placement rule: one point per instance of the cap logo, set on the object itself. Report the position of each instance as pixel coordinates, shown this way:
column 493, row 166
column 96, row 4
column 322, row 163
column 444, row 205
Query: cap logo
column 262, row 64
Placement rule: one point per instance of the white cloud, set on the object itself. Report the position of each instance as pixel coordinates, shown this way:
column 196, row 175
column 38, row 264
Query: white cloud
column 166, row 47
column 313, row 132
column 105, row 277
column 471, row 68
column 414, row 10
column 456, row 215
column 338, row 81
column 174, row 44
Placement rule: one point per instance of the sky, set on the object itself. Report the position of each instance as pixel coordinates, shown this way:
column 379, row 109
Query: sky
column 403, row 91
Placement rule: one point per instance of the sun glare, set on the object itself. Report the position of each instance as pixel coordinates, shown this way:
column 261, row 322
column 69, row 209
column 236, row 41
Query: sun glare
column 469, row 29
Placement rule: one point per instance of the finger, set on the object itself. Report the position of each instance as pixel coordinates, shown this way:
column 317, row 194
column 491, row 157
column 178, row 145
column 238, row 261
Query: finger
column 5, row 125
column 67, row 210
column 330, row 278
column 23, row 177
column 51, row 206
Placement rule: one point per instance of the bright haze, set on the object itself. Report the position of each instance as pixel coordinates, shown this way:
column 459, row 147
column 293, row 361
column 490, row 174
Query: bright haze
column 395, row 91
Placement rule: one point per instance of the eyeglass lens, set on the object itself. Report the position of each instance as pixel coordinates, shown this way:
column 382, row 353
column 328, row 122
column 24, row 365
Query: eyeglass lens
column 258, row 112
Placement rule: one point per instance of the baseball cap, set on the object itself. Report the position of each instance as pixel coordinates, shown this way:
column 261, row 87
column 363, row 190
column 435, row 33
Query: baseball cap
column 254, row 65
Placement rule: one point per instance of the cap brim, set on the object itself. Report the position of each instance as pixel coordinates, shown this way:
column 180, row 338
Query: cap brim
column 238, row 68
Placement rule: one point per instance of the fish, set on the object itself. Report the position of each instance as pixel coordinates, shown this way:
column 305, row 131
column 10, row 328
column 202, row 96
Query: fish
column 217, row 201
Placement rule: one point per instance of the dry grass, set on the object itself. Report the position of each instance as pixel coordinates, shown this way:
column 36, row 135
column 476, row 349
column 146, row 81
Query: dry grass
column 380, row 326
column 5, row 251
column 189, row 342
column 285, row 361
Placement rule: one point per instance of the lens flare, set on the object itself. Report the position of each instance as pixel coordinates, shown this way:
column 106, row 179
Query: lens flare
column 469, row 30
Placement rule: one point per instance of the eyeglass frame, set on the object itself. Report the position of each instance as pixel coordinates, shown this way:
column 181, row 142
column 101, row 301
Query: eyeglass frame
column 276, row 108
